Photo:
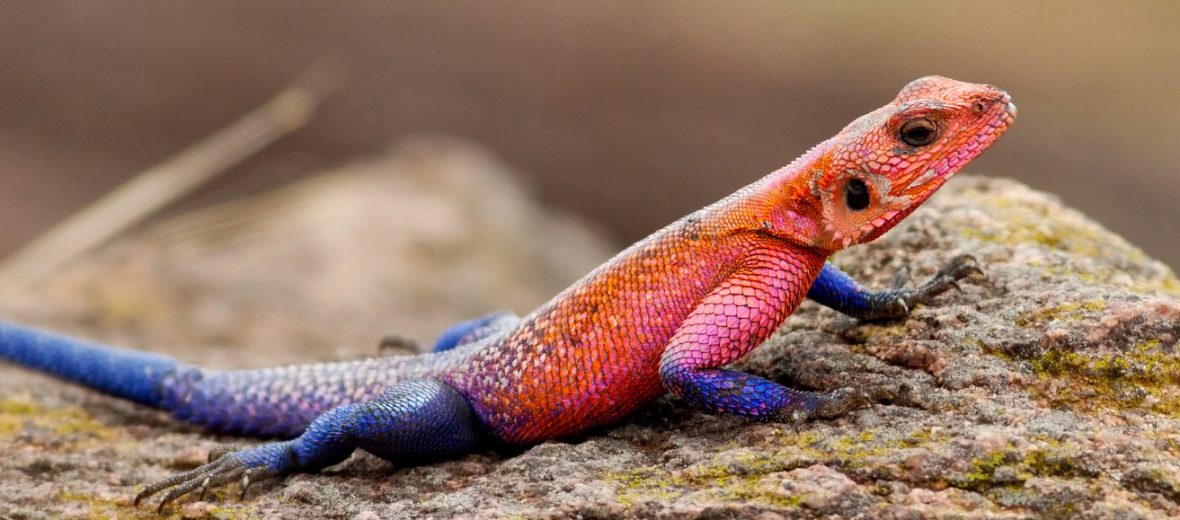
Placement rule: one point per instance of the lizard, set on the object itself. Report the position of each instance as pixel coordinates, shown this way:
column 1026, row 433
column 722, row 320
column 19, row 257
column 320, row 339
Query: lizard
column 665, row 315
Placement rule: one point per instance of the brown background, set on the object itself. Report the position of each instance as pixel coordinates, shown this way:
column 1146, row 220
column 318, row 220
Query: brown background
column 631, row 112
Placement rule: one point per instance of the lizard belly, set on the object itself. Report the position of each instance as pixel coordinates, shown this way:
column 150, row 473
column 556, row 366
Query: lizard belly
column 592, row 355
column 560, row 390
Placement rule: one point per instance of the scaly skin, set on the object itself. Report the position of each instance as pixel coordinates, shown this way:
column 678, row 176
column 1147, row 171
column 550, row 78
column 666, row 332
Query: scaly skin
column 662, row 316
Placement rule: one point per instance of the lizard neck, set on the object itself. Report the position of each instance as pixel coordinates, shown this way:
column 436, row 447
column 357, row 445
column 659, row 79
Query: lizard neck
column 782, row 204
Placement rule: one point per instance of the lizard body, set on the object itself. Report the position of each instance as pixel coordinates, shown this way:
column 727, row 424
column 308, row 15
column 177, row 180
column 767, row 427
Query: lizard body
column 664, row 315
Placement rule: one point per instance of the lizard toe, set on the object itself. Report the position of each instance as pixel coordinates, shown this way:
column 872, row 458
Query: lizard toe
column 947, row 278
column 221, row 451
column 901, row 278
column 247, row 466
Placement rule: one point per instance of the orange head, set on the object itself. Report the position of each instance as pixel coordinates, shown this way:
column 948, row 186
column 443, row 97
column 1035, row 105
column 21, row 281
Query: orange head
column 882, row 166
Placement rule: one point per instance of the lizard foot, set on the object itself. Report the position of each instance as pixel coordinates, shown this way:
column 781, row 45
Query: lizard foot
column 247, row 466
column 396, row 345
column 420, row 418
column 947, row 278
column 221, row 451
column 841, row 401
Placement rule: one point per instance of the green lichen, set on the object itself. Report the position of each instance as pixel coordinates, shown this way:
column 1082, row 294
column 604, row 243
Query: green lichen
column 924, row 436
column 647, row 482
column 735, row 480
column 1167, row 441
column 1024, row 224
column 1166, row 284
column 20, row 412
column 1153, row 480
column 725, row 478
column 1064, row 313
column 1053, row 460
column 1050, row 459
column 741, row 478
column 981, row 471
column 1028, row 225
column 1170, row 284
column 102, row 508
column 729, row 485
column 859, row 450
column 1144, row 377
column 10, row 423
column 98, row 507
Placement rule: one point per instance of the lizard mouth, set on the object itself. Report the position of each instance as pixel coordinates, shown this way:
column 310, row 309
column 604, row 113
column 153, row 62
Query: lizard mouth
column 992, row 123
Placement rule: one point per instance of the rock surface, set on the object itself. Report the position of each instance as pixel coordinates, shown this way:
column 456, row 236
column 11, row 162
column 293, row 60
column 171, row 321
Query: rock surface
column 1049, row 388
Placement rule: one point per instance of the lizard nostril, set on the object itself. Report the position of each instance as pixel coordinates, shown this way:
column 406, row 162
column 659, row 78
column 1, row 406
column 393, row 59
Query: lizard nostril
column 978, row 107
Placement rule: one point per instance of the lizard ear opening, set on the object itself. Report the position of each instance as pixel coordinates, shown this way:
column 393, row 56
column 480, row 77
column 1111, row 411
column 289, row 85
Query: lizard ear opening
column 856, row 194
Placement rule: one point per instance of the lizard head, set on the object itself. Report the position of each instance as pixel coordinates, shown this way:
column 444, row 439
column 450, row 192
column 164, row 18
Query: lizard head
column 888, row 162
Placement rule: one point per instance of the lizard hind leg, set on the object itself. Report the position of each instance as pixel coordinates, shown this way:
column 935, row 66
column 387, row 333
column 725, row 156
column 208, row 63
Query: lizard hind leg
column 410, row 421
column 477, row 329
column 461, row 333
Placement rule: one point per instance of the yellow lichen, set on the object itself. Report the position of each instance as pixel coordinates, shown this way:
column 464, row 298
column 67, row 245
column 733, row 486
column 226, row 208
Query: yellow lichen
column 1024, row 224
column 102, row 508
column 740, row 477
column 1048, row 459
column 1170, row 284
column 733, row 479
column 1020, row 223
column 98, row 507
column 980, row 472
column 1143, row 377
column 1066, row 312
column 20, row 412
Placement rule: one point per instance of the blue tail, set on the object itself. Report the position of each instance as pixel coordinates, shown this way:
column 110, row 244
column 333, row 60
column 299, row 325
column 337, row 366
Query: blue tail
column 136, row 376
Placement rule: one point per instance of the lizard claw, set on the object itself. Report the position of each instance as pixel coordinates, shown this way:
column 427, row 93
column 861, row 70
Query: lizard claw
column 156, row 487
column 905, row 307
column 204, row 489
column 230, row 473
column 960, row 267
column 394, row 344
column 843, row 400
column 901, row 278
column 249, row 465
column 839, row 402
column 220, row 451
column 796, row 418
column 245, row 484
column 947, row 278
column 826, row 406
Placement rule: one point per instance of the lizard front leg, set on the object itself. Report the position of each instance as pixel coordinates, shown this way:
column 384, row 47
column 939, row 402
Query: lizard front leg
column 412, row 420
column 733, row 319
column 833, row 288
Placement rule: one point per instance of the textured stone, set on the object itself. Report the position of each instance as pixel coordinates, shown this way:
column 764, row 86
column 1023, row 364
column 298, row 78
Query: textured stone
column 1051, row 387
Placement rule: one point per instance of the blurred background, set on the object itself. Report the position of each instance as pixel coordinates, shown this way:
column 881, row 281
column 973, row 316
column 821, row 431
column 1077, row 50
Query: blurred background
column 631, row 113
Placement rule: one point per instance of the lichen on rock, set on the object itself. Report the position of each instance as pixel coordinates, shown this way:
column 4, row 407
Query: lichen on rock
column 1049, row 387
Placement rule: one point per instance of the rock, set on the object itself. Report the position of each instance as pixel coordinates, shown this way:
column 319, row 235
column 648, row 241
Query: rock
column 1051, row 387
column 198, row 509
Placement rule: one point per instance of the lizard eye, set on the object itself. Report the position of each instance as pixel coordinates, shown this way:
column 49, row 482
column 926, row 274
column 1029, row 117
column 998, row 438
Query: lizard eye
column 918, row 132
column 856, row 194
